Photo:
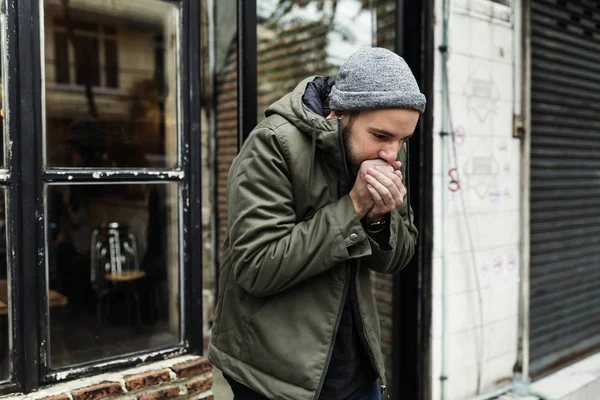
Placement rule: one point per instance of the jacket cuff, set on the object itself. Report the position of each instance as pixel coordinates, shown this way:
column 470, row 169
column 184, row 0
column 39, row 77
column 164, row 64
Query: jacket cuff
column 396, row 228
column 385, row 240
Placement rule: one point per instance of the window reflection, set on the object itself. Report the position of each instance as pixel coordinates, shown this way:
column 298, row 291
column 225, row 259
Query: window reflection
column 111, row 83
column 297, row 39
column 89, row 41
column 113, row 268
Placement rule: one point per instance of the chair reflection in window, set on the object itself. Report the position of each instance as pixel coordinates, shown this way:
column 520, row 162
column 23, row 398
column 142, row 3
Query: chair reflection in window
column 115, row 269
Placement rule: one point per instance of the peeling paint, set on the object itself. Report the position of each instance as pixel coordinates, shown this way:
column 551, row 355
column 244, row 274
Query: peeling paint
column 10, row 142
column 107, row 174
column 62, row 375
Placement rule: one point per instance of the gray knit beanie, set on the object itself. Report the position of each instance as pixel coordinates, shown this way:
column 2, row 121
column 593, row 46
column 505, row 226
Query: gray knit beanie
column 373, row 78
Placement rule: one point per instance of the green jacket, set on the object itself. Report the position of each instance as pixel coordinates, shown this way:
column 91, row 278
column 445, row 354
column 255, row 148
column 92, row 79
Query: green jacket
column 292, row 241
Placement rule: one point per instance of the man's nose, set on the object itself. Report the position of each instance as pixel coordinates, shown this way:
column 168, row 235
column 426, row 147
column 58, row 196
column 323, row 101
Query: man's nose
column 390, row 152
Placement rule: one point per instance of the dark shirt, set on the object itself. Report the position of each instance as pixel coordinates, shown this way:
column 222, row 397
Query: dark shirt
column 350, row 373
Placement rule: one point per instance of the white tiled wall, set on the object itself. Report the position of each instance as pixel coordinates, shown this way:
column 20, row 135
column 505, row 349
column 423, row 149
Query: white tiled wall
column 481, row 218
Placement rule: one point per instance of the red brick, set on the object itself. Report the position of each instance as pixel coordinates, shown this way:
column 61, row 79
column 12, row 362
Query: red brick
column 99, row 391
column 62, row 396
column 199, row 385
column 161, row 394
column 191, row 368
column 150, row 378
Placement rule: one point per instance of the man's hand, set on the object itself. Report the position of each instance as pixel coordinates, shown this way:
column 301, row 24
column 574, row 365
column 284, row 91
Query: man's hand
column 362, row 199
column 387, row 190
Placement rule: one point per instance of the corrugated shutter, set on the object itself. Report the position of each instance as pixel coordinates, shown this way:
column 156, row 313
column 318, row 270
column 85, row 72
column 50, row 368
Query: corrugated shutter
column 565, row 182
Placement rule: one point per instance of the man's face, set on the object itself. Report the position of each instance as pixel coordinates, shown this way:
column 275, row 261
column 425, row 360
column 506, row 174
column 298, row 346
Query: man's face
column 376, row 134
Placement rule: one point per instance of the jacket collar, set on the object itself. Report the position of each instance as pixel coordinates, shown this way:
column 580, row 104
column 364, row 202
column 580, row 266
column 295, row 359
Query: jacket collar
column 326, row 131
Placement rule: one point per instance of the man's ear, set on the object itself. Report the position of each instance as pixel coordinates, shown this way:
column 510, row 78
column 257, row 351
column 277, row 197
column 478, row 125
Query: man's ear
column 332, row 114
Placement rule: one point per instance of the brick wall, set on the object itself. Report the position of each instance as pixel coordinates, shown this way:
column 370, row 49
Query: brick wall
column 188, row 377
column 287, row 56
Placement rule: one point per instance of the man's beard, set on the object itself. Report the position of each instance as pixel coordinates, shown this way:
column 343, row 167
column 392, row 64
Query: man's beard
column 351, row 158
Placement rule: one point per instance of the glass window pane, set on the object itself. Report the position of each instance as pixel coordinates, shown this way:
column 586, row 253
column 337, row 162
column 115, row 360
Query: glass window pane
column 113, row 269
column 111, row 83
column 4, row 292
column 226, row 112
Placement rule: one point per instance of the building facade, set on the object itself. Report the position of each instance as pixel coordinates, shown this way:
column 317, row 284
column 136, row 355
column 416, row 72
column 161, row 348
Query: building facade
column 120, row 120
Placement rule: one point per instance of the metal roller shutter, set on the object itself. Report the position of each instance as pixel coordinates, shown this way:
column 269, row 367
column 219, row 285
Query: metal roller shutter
column 565, row 182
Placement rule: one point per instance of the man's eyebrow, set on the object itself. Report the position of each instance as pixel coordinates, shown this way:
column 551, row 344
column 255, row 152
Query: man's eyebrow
column 381, row 131
column 384, row 132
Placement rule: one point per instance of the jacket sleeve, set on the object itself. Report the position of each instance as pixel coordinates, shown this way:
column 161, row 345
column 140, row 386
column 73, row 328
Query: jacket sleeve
column 270, row 250
column 394, row 255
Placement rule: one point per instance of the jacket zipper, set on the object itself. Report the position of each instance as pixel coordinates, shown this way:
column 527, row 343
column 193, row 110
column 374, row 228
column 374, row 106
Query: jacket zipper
column 364, row 337
column 333, row 336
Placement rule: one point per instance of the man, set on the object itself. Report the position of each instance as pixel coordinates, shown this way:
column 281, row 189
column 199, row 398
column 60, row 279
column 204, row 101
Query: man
column 315, row 203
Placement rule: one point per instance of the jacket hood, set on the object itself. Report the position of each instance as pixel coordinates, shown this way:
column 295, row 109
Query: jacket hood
column 325, row 132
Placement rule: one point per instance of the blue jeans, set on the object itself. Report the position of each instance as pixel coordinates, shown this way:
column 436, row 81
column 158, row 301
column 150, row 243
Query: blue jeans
column 373, row 394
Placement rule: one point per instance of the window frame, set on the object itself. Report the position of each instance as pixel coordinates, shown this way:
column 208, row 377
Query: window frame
column 24, row 53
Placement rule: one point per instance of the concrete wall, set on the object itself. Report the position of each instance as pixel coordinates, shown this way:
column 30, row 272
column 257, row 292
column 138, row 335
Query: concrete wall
column 480, row 240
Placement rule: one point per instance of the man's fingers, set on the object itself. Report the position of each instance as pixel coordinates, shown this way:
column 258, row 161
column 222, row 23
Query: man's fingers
column 392, row 181
column 384, row 192
column 374, row 193
column 402, row 188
